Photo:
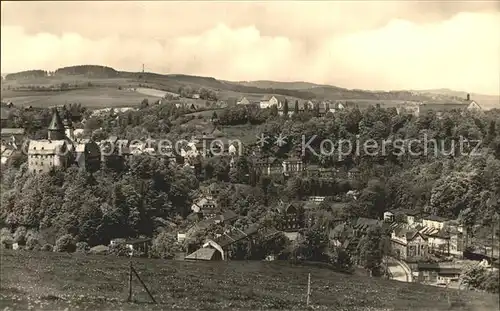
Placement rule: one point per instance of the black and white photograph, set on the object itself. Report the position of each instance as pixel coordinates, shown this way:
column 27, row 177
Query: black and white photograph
column 250, row 155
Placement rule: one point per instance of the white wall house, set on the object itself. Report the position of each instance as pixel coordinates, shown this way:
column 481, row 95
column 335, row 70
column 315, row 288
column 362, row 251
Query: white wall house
column 243, row 101
column 269, row 102
column 435, row 222
column 473, row 106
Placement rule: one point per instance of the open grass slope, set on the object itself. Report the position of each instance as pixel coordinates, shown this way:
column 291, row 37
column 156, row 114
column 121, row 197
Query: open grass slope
column 95, row 97
column 54, row 281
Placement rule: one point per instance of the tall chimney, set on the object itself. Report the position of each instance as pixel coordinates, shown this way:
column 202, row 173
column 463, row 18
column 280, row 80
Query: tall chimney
column 468, row 97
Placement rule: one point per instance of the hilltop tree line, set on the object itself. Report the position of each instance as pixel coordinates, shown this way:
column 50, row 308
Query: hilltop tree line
column 88, row 70
column 28, row 74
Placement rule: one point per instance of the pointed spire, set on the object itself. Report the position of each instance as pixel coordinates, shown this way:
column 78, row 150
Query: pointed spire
column 56, row 127
column 56, row 124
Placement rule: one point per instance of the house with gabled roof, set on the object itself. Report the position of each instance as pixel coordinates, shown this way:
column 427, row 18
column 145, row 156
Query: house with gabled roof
column 434, row 221
column 219, row 248
column 243, row 101
column 270, row 100
column 455, row 105
column 409, row 244
column 206, row 207
column 401, row 214
column 266, row 165
column 206, row 254
column 292, row 217
column 348, row 234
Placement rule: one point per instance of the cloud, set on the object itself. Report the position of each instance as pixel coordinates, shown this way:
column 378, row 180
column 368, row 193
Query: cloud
column 398, row 46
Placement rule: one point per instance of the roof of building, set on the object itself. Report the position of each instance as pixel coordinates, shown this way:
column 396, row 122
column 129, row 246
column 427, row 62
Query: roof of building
column 227, row 216
column 46, row 146
column 138, row 241
column 292, row 159
column 56, row 123
column 285, row 208
column 341, row 230
column 406, row 212
column 434, row 218
column 363, row 223
column 439, row 268
column 204, row 253
column 6, row 153
column 12, row 131
column 407, row 233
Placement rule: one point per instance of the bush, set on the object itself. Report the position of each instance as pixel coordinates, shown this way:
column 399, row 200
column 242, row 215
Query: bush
column 66, row 243
column 6, row 241
column 491, row 283
column 5, row 232
column 82, row 247
column 32, row 243
column 165, row 246
column 20, row 235
column 47, row 248
column 479, row 277
column 119, row 249
column 340, row 259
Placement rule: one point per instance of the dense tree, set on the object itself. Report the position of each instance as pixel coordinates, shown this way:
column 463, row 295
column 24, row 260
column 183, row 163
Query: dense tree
column 370, row 250
column 285, row 108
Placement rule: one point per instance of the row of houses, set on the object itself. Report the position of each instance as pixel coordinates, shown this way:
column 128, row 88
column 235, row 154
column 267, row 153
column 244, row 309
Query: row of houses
column 294, row 165
column 267, row 101
column 418, row 109
column 326, row 106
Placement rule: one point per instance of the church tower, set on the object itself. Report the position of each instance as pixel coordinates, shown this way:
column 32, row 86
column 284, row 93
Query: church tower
column 56, row 127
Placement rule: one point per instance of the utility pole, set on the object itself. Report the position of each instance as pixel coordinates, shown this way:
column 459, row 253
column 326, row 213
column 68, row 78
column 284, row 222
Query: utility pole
column 142, row 68
column 308, row 289
column 495, row 219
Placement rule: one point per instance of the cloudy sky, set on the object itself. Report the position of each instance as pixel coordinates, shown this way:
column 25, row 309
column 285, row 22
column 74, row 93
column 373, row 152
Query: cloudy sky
column 354, row 44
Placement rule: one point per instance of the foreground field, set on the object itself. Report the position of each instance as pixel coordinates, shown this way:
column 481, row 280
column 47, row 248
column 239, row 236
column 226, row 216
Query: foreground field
column 53, row 281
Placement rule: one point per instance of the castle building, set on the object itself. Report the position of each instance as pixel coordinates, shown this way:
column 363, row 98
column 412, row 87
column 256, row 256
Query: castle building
column 60, row 149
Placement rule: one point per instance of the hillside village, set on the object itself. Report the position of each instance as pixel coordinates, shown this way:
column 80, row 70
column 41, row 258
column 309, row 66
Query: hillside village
column 218, row 197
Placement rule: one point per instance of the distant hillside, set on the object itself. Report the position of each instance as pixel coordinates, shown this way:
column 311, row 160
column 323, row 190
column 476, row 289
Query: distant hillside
column 280, row 85
column 311, row 91
column 225, row 89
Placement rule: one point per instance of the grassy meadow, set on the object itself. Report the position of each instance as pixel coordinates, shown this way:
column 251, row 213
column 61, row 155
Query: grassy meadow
column 54, row 281
column 102, row 97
